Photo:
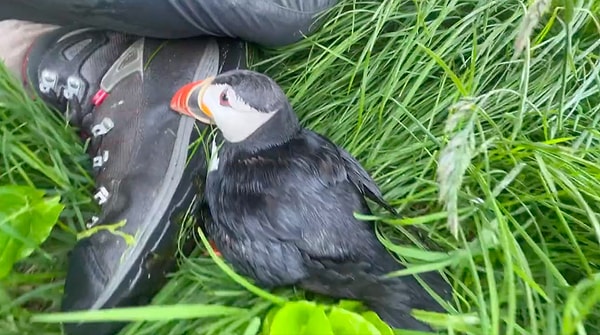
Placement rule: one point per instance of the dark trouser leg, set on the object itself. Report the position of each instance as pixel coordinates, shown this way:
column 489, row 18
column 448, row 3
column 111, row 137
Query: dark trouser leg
column 266, row 22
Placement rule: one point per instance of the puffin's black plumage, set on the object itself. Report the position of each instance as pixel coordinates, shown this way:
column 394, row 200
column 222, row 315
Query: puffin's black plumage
column 282, row 204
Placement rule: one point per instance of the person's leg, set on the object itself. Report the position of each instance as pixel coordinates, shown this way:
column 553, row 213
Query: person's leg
column 266, row 22
column 17, row 36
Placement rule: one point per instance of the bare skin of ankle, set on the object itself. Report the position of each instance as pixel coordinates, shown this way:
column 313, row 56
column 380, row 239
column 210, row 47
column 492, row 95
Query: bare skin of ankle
column 16, row 38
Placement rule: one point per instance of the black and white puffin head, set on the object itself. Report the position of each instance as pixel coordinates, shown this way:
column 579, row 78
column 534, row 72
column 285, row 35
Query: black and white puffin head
column 238, row 102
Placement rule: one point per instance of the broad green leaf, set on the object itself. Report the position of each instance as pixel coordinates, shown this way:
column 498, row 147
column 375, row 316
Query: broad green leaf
column 26, row 220
column 376, row 321
column 318, row 323
column 266, row 326
column 292, row 318
column 351, row 305
column 344, row 322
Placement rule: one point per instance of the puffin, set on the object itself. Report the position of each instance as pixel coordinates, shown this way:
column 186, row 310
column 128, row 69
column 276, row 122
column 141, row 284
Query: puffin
column 282, row 200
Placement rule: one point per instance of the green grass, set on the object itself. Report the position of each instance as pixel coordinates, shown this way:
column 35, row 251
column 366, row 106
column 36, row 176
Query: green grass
column 39, row 150
column 457, row 132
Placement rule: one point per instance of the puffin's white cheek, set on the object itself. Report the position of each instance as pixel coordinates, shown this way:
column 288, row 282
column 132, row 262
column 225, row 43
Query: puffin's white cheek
column 221, row 119
column 237, row 126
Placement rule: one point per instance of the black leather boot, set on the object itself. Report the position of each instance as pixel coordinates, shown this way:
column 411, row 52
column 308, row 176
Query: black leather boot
column 117, row 89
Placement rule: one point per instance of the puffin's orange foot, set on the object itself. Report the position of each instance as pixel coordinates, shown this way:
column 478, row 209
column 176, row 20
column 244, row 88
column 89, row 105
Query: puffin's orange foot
column 214, row 247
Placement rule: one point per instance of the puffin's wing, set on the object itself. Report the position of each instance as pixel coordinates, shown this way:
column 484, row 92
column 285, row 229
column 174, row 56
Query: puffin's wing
column 360, row 178
column 311, row 200
column 291, row 207
column 363, row 181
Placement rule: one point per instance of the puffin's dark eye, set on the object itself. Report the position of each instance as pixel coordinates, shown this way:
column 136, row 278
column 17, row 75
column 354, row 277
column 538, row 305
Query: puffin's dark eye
column 224, row 99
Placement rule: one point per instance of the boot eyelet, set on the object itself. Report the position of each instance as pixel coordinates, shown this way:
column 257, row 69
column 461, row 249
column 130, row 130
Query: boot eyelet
column 103, row 127
column 102, row 195
column 97, row 162
column 74, row 87
column 48, row 81
column 92, row 222
column 101, row 159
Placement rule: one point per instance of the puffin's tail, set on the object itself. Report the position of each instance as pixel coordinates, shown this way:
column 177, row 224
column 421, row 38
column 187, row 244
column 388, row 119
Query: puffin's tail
column 393, row 299
column 396, row 298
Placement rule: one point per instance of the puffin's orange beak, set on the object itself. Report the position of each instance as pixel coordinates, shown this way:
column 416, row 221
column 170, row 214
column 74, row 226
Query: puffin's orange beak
column 188, row 100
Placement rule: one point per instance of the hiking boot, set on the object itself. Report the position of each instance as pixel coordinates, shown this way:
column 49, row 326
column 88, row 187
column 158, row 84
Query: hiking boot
column 117, row 89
